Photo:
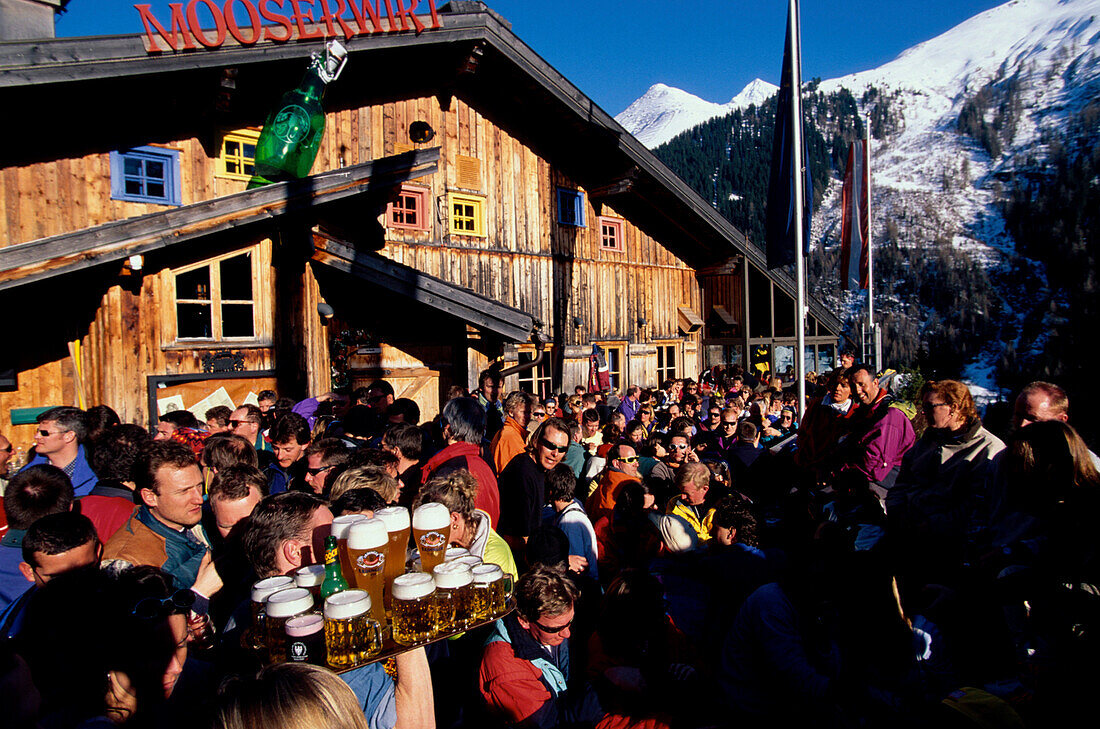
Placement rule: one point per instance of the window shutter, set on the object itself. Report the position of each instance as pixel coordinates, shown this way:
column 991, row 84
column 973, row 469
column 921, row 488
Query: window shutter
column 468, row 172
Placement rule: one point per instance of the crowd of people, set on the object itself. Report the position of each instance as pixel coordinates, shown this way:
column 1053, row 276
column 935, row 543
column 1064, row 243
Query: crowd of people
column 701, row 554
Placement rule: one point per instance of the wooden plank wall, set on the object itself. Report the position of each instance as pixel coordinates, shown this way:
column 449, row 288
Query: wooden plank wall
column 526, row 260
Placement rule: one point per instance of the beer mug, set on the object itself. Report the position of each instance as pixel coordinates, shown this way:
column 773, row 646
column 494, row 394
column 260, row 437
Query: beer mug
column 257, row 635
column 367, row 545
column 281, row 607
column 454, row 553
column 310, row 577
column 352, row 636
column 456, row 578
column 341, row 525
column 431, row 530
column 305, row 639
column 420, row 612
column 494, row 586
column 396, row 519
column 470, row 560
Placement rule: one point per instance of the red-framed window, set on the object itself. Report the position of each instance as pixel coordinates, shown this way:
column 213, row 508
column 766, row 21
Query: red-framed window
column 410, row 210
column 611, row 234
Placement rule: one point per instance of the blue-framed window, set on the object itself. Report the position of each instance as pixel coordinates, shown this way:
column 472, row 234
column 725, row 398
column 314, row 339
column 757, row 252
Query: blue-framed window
column 146, row 174
column 570, row 207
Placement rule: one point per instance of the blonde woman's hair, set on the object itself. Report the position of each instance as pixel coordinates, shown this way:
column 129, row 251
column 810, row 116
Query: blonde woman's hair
column 289, row 696
column 370, row 477
column 456, row 490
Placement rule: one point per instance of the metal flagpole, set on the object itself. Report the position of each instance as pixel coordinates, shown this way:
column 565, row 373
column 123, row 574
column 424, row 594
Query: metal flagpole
column 876, row 345
column 798, row 171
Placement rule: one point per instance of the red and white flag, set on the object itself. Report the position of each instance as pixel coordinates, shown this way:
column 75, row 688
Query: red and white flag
column 855, row 224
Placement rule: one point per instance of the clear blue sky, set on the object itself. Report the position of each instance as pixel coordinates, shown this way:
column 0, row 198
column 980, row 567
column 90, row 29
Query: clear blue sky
column 613, row 51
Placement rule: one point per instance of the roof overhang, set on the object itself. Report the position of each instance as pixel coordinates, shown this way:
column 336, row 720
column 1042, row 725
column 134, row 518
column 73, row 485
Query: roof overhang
column 304, row 199
column 480, row 311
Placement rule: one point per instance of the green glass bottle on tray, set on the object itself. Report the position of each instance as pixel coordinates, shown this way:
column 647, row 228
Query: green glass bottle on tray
column 292, row 133
column 334, row 577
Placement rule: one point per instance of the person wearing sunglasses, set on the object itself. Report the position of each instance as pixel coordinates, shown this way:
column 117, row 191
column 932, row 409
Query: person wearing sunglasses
column 953, row 460
column 59, row 441
column 321, row 457
column 523, row 483
column 678, row 452
column 524, row 672
column 622, row 466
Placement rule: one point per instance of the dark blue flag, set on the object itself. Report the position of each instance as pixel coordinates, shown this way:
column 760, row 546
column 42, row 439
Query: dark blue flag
column 779, row 235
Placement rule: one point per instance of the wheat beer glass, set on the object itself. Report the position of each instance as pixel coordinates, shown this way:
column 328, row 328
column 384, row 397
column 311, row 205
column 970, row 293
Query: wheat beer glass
column 352, row 636
column 281, row 607
column 310, row 577
column 456, row 578
column 495, row 586
column 396, row 519
column 419, row 613
column 431, row 530
column 341, row 525
column 260, row 592
column 368, row 541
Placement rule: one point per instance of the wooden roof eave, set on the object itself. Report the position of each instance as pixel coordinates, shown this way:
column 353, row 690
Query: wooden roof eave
column 40, row 259
column 482, row 312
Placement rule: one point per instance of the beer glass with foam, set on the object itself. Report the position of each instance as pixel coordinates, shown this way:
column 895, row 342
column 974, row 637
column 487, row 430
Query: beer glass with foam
column 494, row 587
column 352, row 636
column 420, row 612
column 310, row 577
column 281, row 607
column 341, row 525
column 457, row 579
column 396, row 519
column 431, row 530
column 260, row 592
column 368, row 541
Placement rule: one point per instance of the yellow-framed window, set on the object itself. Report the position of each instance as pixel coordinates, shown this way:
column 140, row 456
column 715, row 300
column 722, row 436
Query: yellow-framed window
column 237, row 158
column 467, row 214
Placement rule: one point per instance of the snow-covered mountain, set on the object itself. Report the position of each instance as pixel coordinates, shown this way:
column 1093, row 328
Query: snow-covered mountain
column 663, row 111
column 1028, row 65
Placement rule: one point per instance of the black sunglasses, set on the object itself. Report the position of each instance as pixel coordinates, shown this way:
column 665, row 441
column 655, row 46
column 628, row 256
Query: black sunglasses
column 551, row 447
column 315, row 471
column 154, row 607
column 556, row 630
column 235, row 423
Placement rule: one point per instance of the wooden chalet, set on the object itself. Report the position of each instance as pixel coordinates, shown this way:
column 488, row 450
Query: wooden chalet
column 136, row 270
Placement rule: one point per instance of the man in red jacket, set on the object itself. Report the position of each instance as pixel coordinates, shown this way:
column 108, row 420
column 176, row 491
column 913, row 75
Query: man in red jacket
column 463, row 422
column 524, row 670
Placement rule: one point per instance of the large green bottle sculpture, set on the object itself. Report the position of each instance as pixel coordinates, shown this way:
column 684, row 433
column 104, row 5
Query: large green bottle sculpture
column 292, row 133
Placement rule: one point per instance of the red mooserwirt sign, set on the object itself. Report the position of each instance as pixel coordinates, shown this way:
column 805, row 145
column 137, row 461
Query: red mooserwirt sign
column 248, row 22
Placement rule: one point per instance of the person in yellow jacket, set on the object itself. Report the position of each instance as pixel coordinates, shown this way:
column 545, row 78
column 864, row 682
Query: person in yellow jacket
column 693, row 480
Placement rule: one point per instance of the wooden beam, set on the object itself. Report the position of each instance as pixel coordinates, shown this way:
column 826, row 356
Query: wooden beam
column 443, row 296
